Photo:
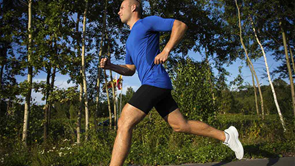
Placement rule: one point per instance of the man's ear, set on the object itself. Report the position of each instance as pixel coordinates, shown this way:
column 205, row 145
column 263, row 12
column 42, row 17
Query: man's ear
column 133, row 7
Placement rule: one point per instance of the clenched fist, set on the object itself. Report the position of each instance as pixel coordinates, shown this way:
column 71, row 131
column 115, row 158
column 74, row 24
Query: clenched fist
column 105, row 63
column 161, row 58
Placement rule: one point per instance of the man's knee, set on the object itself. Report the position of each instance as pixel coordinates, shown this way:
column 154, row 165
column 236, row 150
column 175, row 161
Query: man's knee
column 124, row 125
column 180, row 127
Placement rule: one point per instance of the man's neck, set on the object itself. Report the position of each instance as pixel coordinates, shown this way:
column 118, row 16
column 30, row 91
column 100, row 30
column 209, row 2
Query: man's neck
column 132, row 22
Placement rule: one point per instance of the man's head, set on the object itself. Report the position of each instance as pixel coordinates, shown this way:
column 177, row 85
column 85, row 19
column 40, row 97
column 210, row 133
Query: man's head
column 129, row 9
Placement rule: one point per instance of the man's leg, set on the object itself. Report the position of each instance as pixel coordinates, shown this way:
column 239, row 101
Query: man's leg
column 180, row 124
column 130, row 116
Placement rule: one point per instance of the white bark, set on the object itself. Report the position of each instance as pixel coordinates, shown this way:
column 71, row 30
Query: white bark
column 28, row 97
column 84, row 73
column 79, row 114
column 269, row 79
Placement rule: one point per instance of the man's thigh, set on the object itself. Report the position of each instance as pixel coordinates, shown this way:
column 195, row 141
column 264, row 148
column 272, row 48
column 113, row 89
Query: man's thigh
column 130, row 116
column 175, row 118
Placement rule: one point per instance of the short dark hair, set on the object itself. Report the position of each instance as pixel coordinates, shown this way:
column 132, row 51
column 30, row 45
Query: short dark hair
column 139, row 8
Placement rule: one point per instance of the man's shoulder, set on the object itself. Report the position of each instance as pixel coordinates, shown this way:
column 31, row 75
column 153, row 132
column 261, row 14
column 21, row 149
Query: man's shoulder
column 151, row 18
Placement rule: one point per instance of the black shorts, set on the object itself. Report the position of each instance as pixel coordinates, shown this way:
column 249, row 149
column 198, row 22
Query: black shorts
column 147, row 97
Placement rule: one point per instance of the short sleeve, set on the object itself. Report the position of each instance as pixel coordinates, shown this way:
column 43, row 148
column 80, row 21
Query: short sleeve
column 156, row 23
column 128, row 59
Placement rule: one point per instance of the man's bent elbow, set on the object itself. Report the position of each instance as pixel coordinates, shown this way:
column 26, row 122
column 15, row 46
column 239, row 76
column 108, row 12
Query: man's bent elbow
column 181, row 24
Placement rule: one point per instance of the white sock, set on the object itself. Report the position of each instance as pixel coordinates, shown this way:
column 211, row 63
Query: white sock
column 226, row 137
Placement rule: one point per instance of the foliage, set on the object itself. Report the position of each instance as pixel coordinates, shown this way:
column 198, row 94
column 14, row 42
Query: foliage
column 155, row 143
column 193, row 91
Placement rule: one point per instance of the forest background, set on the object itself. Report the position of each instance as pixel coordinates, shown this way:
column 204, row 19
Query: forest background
column 76, row 125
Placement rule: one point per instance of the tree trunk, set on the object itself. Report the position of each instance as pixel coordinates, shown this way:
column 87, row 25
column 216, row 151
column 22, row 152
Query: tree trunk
column 81, row 86
column 121, row 100
column 292, row 59
column 242, row 42
column 255, row 90
column 269, row 79
column 84, row 74
column 113, row 87
column 1, row 76
column 259, row 89
column 108, row 98
column 30, row 71
column 289, row 68
column 51, row 90
column 47, row 104
column 97, row 94
column 99, row 58
column 114, row 101
column 79, row 114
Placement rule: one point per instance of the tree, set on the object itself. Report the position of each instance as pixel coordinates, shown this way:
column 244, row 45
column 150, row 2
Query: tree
column 30, row 72
column 84, row 72
column 11, row 60
column 288, row 67
column 269, row 79
column 248, row 59
column 51, row 47
column 275, row 25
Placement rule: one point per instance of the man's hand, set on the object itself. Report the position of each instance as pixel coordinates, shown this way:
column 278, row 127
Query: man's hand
column 161, row 58
column 105, row 63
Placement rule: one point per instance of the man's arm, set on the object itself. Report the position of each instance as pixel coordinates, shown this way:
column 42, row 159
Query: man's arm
column 178, row 30
column 126, row 70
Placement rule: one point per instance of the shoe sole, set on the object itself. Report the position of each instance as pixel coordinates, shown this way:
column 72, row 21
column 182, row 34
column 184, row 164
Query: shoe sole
column 236, row 133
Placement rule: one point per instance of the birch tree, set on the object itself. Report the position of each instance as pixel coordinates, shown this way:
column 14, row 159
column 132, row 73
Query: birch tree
column 249, row 60
column 84, row 73
column 269, row 79
column 80, row 85
column 29, row 77
column 255, row 91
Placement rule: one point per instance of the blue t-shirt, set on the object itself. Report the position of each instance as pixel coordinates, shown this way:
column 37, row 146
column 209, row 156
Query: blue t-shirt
column 143, row 46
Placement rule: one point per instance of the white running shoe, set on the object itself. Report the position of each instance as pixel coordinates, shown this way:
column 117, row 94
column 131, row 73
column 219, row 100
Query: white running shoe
column 233, row 142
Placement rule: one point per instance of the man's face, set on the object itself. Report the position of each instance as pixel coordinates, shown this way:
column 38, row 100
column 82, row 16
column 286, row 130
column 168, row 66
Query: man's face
column 125, row 11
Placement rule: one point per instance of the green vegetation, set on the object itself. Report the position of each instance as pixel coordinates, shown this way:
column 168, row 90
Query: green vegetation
column 154, row 143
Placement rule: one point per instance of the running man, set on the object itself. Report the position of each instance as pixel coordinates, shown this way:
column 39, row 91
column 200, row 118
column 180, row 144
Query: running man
column 143, row 54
